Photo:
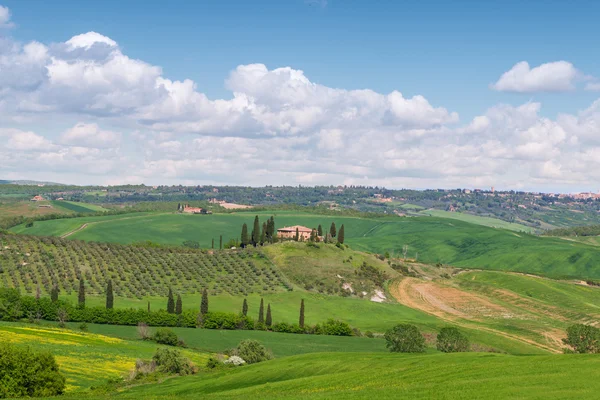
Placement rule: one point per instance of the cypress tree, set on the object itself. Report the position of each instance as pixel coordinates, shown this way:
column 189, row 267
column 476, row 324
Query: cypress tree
column 263, row 233
column 38, row 292
column 301, row 321
column 245, row 240
column 256, row 232
column 341, row 235
column 261, row 312
column 320, row 230
column 54, row 294
column 313, row 235
column 170, row 302
column 81, row 294
column 245, row 308
column 109, row 295
column 178, row 305
column 269, row 319
column 270, row 229
column 332, row 230
column 148, row 307
column 220, row 242
column 212, row 246
column 297, row 238
column 204, row 303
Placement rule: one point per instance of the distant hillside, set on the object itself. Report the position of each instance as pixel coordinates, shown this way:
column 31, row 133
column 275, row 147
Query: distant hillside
column 27, row 182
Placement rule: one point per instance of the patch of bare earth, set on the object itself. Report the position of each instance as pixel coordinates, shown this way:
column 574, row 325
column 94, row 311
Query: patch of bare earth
column 459, row 307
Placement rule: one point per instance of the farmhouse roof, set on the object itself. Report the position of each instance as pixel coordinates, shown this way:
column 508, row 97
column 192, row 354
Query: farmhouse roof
column 293, row 229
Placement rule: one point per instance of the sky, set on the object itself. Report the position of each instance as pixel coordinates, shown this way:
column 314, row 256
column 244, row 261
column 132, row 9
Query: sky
column 410, row 94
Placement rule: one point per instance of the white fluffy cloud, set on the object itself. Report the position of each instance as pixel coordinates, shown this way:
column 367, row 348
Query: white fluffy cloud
column 559, row 76
column 130, row 123
column 5, row 18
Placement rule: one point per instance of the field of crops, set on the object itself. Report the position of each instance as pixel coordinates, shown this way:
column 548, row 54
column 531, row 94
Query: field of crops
column 29, row 261
column 479, row 220
column 392, row 376
column 85, row 359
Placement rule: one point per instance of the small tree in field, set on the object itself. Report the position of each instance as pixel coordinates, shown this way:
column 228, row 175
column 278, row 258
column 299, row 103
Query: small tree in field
column 81, row 294
column 269, row 318
column 204, row 302
column 178, row 305
column 301, row 320
column 451, row 340
column 109, row 295
column 245, row 308
column 261, row 312
column 405, row 338
column 583, row 338
column 170, row 302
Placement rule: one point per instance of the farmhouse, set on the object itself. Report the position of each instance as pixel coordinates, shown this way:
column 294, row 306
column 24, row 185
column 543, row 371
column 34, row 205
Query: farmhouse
column 290, row 232
column 37, row 198
column 195, row 210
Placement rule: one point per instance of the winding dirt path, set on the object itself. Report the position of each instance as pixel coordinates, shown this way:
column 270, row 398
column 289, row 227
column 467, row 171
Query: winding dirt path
column 74, row 231
column 416, row 294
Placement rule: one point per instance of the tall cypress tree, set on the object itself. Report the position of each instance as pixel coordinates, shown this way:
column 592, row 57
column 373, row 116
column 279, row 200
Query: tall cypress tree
column 148, row 307
column 332, row 230
column 301, row 320
column 204, row 303
column 341, row 235
column 269, row 319
column 54, row 293
column 38, row 292
column 178, row 305
column 245, row 239
column 263, row 233
column 261, row 312
column 297, row 238
column 256, row 232
column 81, row 294
column 170, row 302
column 109, row 295
column 212, row 246
column 245, row 308
column 220, row 242
column 320, row 230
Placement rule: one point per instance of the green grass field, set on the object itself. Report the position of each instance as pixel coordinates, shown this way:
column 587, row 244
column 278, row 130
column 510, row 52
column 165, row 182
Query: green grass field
column 431, row 239
column 478, row 220
column 85, row 359
column 391, row 376
column 77, row 207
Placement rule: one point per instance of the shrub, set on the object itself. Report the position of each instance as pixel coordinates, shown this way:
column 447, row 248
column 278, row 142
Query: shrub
column 166, row 336
column 335, row 328
column 143, row 331
column 25, row 373
column 369, row 334
column 235, row 361
column 451, row 340
column 213, row 363
column 583, row 338
column 252, row 351
column 172, row 362
column 83, row 327
column 405, row 338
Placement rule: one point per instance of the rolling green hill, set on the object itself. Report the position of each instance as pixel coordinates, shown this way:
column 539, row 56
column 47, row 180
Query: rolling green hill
column 430, row 239
column 391, row 376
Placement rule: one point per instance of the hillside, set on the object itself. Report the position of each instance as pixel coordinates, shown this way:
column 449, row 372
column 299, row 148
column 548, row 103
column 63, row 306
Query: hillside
column 391, row 376
column 430, row 239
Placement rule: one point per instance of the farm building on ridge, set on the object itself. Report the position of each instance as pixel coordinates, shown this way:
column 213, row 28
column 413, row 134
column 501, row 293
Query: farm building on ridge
column 195, row 210
column 37, row 198
column 290, row 232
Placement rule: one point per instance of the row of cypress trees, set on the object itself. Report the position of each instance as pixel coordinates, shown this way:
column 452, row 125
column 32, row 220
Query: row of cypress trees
column 176, row 307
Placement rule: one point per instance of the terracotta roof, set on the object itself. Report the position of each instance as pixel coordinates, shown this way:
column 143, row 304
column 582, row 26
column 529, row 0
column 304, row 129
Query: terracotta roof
column 293, row 229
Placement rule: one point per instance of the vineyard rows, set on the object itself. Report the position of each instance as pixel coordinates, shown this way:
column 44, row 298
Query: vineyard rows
column 29, row 261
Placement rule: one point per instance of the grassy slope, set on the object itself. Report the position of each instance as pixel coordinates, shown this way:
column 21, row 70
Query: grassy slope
column 77, row 207
column 392, row 376
column 478, row 220
column 434, row 239
column 85, row 358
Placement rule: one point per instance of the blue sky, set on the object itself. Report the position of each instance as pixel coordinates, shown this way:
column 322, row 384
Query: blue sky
column 450, row 53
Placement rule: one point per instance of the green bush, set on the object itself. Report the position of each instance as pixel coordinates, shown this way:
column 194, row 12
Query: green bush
column 25, row 373
column 252, row 351
column 334, row 327
column 583, row 339
column 451, row 340
column 405, row 338
column 166, row 336
column 171, row 361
